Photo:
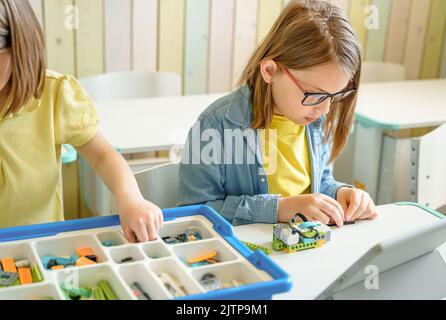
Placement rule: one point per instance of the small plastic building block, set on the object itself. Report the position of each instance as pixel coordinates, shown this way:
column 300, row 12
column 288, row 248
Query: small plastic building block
column 181, row 237
column 98, row 294
column 22, row 264
column 76, row 293
column 346, row 223
column 172, row 285
column 92, row 258
column 25, row 276
column 107, row 243
column 8, row 278
column 84, row 252
column 170, row 240
column 62, row 261
column 255, row 247
column 199, row 264
column 206, row 257
column 210, row 282
column 233, row 284
column 49, row 262
column 82, row 261
column 61, row 267
column 8, row 265
column 193, row 234
column 108, row 292
column 74, row 257
column 298, row 236
column 139, row 292
column 37, row 276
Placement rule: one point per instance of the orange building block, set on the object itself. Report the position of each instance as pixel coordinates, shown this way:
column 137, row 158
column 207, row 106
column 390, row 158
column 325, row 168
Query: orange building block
column 208, row 256
column 8, row 265
column 82, row 252
column 57, row 267
column 25, row 276
column 84, row 262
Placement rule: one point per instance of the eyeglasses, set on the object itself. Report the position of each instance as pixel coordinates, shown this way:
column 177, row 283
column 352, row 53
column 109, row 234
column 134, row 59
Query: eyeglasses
column 314, row 98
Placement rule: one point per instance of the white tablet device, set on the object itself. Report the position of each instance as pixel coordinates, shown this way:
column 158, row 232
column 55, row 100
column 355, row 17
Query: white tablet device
column 390, row 254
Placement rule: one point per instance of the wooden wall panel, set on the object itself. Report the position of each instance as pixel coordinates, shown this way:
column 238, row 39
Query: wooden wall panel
column 197, row 46
column 60, row 19
column 431, row 64
column 245, row 35
column 397, row 33
column 118, row 41
column 416, row 37
column 89, row 38
column 221, row 45
column 145, row 35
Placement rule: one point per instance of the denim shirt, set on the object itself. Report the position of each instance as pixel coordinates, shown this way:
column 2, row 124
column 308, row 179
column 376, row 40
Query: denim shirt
column 239, row 192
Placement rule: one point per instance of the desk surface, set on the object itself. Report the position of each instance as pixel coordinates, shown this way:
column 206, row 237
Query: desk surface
column 152, row 124
column 402, row 105
column 314, row 270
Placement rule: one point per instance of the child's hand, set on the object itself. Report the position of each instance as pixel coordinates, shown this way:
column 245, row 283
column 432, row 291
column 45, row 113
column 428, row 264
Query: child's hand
column 141, row 220
column 315, row 207
column 357, row 204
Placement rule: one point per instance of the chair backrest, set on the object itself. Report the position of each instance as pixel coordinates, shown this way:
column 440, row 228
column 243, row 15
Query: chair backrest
column 132, row 85
column 428, row 168
column 382, row 72
column 160, row 184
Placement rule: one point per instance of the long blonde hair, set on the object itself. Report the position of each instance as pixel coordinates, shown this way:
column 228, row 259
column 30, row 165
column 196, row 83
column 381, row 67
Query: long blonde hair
column 308, row 33
column 20, row 32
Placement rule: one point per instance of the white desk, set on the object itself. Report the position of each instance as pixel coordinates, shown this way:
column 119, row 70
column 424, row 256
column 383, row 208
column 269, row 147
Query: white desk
column 152, row 124
column 313, row 270
column 402, row 105
column 378, row 160
column 158, row 123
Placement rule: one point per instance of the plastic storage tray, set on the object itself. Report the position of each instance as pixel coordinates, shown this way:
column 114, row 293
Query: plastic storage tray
column 261, row 276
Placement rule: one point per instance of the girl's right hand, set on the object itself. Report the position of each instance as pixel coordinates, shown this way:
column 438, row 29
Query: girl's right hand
column 315, row 207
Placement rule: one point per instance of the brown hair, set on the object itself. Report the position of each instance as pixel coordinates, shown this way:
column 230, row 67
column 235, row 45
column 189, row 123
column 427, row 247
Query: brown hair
column 308, row 33
column 21, row 32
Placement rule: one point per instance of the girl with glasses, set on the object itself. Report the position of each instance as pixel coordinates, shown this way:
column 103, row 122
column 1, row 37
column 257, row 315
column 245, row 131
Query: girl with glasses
column 298, row 94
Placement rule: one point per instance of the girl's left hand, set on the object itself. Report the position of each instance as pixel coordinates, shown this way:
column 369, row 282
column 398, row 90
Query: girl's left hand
column 357, row 204
column 141, row 220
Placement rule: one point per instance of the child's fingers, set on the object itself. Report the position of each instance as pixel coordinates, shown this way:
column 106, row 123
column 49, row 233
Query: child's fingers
column 320, row 216
column 354, row 203
column 161, row 220
column 370, row 212
column 332, row 211
column 151, row 230
column 362, row 209
column 335, row 204
column 141, row 232
column 129, row 235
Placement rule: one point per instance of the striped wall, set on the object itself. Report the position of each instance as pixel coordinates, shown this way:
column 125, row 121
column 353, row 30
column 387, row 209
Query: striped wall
column 209, row 41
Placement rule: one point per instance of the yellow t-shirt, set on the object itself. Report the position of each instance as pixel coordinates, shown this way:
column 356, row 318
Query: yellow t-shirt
column 288, row 174
column 30, row 150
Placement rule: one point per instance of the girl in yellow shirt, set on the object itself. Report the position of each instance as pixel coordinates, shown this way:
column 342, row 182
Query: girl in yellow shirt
column 39, row 111
column 299, row 86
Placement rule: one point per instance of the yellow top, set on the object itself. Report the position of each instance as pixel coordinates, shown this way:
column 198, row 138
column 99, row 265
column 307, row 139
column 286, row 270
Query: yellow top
column 30, row 150
column 288, row 174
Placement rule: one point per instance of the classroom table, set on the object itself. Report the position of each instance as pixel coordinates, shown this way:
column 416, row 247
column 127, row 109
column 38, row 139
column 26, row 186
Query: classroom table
column 151, row 124
column 385, row 155
column 314, row 270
